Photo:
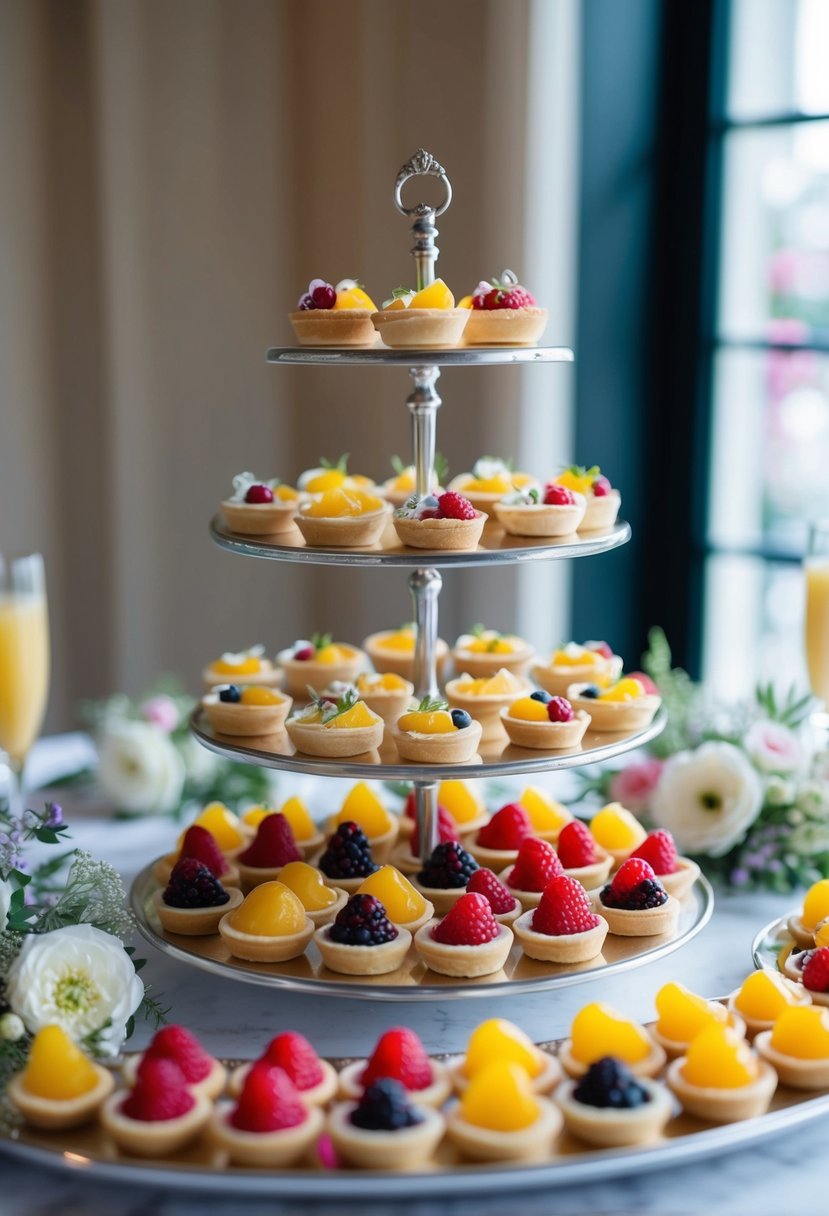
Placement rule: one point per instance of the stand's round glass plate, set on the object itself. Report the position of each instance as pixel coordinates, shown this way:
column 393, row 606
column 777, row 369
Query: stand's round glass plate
column 414, row 981
column 770, row 941
column 463, row 356
column 496, row 546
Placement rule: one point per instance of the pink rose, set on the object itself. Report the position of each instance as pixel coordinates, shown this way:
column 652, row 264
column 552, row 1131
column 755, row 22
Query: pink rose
column 634, row 785
column 162, row 712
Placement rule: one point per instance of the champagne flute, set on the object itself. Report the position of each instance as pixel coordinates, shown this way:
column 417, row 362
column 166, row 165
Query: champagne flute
column 24, row 661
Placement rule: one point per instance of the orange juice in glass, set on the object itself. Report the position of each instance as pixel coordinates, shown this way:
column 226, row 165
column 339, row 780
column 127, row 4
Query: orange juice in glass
column 24, row 656
column 817, row 609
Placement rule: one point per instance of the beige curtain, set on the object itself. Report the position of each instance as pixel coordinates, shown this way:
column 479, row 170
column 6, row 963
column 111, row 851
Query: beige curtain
column 172, row 172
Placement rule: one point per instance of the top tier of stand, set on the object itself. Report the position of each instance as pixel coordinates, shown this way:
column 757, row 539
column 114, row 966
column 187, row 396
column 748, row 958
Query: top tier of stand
column 464, row 356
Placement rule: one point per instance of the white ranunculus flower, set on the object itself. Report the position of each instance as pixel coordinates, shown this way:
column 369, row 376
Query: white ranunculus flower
column 5, row 900
column 78, row 977
column 139, row 768
column 773, row 747
column 708, row 798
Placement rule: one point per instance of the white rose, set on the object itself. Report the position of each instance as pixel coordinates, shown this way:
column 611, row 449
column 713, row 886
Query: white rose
column 5, row 900
column 139, row 768
column 707, row 798
column 773, row 747
column 78, row 977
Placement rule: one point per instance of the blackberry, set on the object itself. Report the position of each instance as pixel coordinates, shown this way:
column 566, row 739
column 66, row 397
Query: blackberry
column 362, row 922
column 231, row 694
column 461, row 719
column 449, row 866
column 591, row 691
column 384, row 1107
column 610, row 1084
column 646, row 894
column 347, row 854
column 541, row 695
column 192, row 885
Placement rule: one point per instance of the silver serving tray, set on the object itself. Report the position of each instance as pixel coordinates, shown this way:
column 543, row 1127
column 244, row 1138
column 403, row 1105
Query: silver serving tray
column 457, row 356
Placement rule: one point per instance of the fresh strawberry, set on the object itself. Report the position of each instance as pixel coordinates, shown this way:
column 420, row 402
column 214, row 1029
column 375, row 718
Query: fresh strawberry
column 558, row 496
column 269, row 1101
column 293, row 1053
column 646, row 682
column 659, row 850
column 447, row 830
column 274, row 844
column 176, row 1043
column 564, row 908
column 484, row 882
column 559, row 709
column 399, row 1054
column 816, row 971
column 506, row 829
column 576, row 846
column 629, row 875
column 160, row 1092
column 201, row 844
column 469, row 922
column 452, row 505
column 537, row 863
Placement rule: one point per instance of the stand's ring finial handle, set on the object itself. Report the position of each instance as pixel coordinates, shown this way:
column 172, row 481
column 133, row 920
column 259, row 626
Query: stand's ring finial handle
column 422, row 164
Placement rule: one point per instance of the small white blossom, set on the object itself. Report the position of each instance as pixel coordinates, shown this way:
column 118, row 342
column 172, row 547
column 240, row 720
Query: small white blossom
column 11, row 1028
column 139, row 767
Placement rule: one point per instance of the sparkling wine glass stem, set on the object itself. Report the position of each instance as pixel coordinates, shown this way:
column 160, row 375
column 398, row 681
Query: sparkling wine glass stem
column 423, row 403
column 426, row 809
column 425, row 587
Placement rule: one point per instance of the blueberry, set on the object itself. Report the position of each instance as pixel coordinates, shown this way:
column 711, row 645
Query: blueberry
column 461, row 718
column 231, row 694
column 541, row 695
column 592, row 691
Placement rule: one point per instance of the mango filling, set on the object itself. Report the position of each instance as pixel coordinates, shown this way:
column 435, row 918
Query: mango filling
column 254, row 815
column 528, row 709
column 490, row 642
column 816, row 903
column 354, row 297
column 353, row 719
column 271, row 910
column 458, row 798
column 402, row 901
column 576, row 656
column 802, row 1032
column 222, row 824
column 57, row 1069
column 613, row 827
column 254, row 695
column 546, row 815
column 362, row 806
column 336, row 503
column 763, row 996
column 683, row 1014
column 402, row 641
column 434, row 722
column 436, row 295
column 501, row 684
column 598, row 1031
column 245, row 667
column 625, row 690
column 307, row 883
column 718, row 1058
column 499, row 1040
column 370, row 682
column 500, row 1098
column 298, row 816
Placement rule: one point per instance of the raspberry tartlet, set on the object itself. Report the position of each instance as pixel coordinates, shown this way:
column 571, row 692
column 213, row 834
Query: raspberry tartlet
column 249, row 710
column 399, row 1054
column 404, row 904
column 677, row 874
column 338, row 315
column 581, row 856
column 503, row 313
column 542, row 722
column 535, row 865
column 721, row 1079
column 272, row 848
column 362, row 940
column 797, row 1047
column 159, row 1115
column 485, row 697
column 554, row 511
column 624, row 706
column 603, row 502
column 612, row 1108
column 260, row 508
column 468, row 942
column 432, row 734
column 762, row 997
column 60, row 1087
column 563, row 928
column 489, row 480
column 444, row 877
column 242, row 667
column 598, row 1030
column 319, row 662
column 384, row 1129
column 270, row 1125
column 194, row 900
column 483, row 652
column 270, row 926
column 635, row 904
column 593, row 662
column 393, row 650
column 814, row 974
column 320, row 901
column 336, row 729
column 347, row 859
column 421, row 320
column 683, row 1014
column 316, row 1080
column 498, row 1039
column 500, row 1118
column 343, row 519
column 201, row 845
column 203, row 1073
column 496, row 844
column 506, row 908
column 445, row 521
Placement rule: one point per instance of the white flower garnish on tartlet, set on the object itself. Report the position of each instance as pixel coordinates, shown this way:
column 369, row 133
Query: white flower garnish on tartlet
column 416, row 508
column 530, row 497
column 238, row 657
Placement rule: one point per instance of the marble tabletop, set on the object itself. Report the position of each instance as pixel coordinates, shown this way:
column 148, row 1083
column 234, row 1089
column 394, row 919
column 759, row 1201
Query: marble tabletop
column 230, row 1017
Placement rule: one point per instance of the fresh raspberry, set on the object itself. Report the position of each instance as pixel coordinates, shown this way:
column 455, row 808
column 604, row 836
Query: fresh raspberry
column 816, row 971
column 192, row 885
column 511, row 297
column 449, row 867
column 362, row 922
column 447, row 830
column 304, row 654
column 347, row 854
column 563, row 908
column 659, row 850
column 536, row 864
column 259, row 494
column 294, row 1055
column 176, row 1043
column 601, row 648
column 399, row 1054
column 269, row 1101
column 484, row 882
column 630, row 874
column 559, row 709
column 601, row 487
column 558, row 496
column 576, row 846
column 506, row 829
column 452, row 505
column 469, row 922
column 201, row 845
column 645, row 680
column 274, row 844
column 385, row 1107
column 160, row 1092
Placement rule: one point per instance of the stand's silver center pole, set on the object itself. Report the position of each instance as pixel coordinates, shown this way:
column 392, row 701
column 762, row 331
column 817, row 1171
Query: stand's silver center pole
column 423, row 403
column 425, row 587
column 424, row 250
column 426, row 809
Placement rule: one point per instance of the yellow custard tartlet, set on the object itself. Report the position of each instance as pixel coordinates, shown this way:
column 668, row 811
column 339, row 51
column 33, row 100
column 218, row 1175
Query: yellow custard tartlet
column 483, row 652
column 242, row 667
column 393, row 651
column 421, row 319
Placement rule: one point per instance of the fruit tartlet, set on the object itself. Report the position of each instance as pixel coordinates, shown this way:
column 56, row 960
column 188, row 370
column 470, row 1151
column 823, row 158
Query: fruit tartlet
column 346, row 860
column 270, row 926
column 581, row 857
column 677, row 874
column 362, row 806
column 242, row 667
column 797, row 1047
column 343, row 518
column 159, row 1115
column 346, row 727
column 635, row 904
column 249, row 710
column 385, row 1129
column 334, row 316
column 404, row 904
column 467, row 942
column 602, row 501
column 721, row 1079
column 362, row 940
column 554, row 511
column 489, row 480
column 499, row 1117
column 484, row 652
column 320, row 901
column 270, row 1125
column 60, row 1087
column 399, row 1055
column 497, row 843
column 547, row 816
column 543, row 722
column 432, row 734
column 612, row 1108
column 624, row 706
column 762, row 997
column 598, row 1030
column 393, row 650
column 273, row 846
column 307, row 833
column 616, row 830
column 203, row 1073
column 444, row 877
column 498, row 1039
column 386, row 693
column 503, row 313
column 318, row 662
column 815, row 909
column 593, row 662
column 444, row 521
column 683, row 1014
column 563, row 928
column 316, row 1080
column 404, row 483
column 486, row 697
column 194, row 900
column 421, row 319
column 200, row 844
column 260, row 508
